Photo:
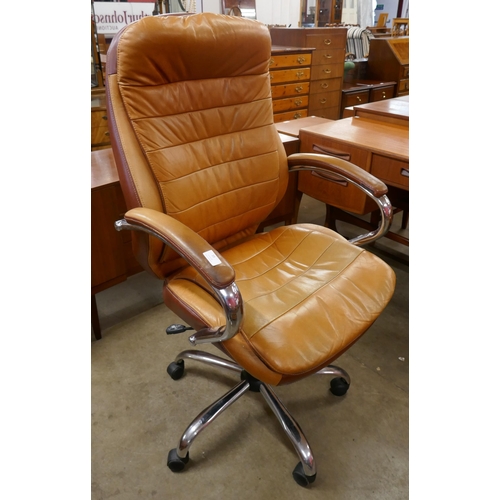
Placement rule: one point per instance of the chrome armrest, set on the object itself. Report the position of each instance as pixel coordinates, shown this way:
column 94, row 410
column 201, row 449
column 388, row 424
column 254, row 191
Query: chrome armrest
column 216, row 271
column 335, row 169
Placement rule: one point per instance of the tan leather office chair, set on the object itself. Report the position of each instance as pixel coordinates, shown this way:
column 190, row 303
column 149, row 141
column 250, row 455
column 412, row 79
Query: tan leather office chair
column 201, row 165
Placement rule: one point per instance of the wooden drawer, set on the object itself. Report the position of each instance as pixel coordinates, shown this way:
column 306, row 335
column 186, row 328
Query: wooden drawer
column 338, row 194
column 404, row 87
column 353, row 98
column 392, row 172
column 327, row 71
column 382, row 93
column 405, row 72
column 291, row 89
column 319, row 86
column 99, row 136
column 98, row 119
column 290, row 115
column 324, row 100
column 290, row 104
column 327, row 40
column 330, row 113
column 290, row 75
column 327, row 56
column 290, row 60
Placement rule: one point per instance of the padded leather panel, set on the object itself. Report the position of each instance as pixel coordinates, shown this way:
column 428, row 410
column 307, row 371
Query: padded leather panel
column 196, row 92
column 308, row 295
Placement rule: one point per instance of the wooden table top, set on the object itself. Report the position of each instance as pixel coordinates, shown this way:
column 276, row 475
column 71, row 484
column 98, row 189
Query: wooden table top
column 293, row 127
column 398, row 107
column 374, row 135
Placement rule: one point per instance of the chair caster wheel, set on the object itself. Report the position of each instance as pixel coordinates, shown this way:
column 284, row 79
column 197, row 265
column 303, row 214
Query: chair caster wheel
column 300, row 476
column 176, row 370
column 339, row 386
column 175, row 462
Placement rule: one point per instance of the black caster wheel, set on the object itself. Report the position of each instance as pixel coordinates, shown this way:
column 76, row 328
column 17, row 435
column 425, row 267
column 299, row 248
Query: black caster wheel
column 175, row 462
column 176, row 370
column 300, row 476
column 339, row 386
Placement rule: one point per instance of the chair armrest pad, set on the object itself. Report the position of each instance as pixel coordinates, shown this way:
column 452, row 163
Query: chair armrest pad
column 338, row 166
column 190, row 245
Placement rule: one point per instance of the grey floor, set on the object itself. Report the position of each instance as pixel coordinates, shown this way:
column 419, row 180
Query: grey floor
column 360, row 441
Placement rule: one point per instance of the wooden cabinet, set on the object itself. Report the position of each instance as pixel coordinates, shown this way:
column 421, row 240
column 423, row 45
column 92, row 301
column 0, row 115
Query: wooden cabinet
column 290, row 73
column 389, row 59
column 321, row 12
column 362, row 92
column 327, row 65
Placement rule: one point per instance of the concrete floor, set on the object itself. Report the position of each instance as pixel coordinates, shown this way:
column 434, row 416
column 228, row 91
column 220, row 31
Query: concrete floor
column 360, row 441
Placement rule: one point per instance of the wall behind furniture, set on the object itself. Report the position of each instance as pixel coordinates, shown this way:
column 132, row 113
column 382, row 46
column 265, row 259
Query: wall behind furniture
column 285, row 12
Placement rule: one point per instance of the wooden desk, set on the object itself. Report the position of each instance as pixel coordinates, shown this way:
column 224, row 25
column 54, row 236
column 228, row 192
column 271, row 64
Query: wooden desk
column 376, row 146
column 112, row 260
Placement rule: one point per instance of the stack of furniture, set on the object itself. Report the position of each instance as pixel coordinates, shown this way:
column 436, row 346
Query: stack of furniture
column 364, row 91
column 327, row 68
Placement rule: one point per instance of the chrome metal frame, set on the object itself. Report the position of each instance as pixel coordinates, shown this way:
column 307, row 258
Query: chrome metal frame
column 383, row 204
column 286, row 420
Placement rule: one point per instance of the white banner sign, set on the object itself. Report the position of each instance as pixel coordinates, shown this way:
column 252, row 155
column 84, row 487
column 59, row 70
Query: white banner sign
column 111, row 17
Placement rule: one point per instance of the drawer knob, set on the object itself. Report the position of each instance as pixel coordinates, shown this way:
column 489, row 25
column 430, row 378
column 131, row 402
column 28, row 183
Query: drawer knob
column 327, row 41
column 301, row 60
column 299, row 88
column 323, row 101
column 297, row 102
column 328, row 56
column 358, row 98
column 405, row 172
column 300, row 74
column 271, row 61
column 383, row 95
column 324, row 85
column 297, row 115
column 327, row 71
column 271, row 76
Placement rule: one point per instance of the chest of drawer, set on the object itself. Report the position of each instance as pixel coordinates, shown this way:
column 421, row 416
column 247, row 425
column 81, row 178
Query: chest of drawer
column 291, row 89
column 391, row 171
column 292, row 60
column 290, row 75
column 290, row 104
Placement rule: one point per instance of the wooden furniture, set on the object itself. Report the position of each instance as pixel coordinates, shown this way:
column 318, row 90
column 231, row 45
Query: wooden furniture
column 395, row 111
column 111, row 252
column 290, row 73
column 327, row 67
column 389, row 59
column 364, row 91
column 293, row 127
column 400, row 26
column 379, row 147
column 320, row 12
column 99, row 134
column 112, row 261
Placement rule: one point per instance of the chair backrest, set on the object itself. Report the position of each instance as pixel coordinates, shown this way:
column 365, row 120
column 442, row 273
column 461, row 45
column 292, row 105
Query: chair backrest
column 191, row 125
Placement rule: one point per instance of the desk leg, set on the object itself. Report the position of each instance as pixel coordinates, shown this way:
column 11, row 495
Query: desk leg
column 96, row 326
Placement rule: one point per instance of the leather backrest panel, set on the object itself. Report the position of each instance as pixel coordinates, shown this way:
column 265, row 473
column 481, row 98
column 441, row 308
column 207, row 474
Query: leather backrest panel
column 193, row 119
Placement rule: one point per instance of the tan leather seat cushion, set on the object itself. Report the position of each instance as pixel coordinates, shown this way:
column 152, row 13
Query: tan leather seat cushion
column 308, row 295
